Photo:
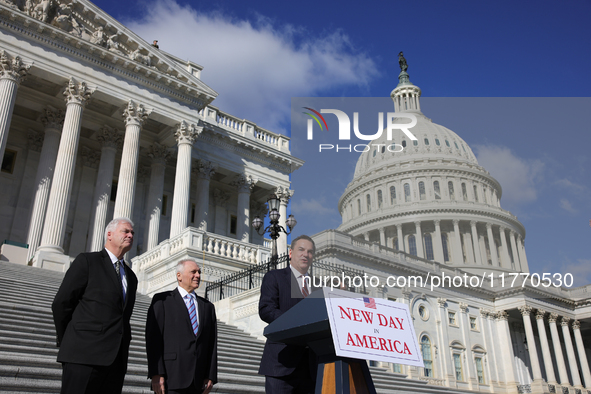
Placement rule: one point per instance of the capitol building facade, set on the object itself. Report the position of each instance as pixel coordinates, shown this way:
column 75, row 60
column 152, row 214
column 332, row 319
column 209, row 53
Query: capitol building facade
column 96, row 123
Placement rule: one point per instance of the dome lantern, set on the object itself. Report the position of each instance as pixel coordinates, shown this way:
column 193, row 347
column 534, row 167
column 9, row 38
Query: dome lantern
column 405, row 95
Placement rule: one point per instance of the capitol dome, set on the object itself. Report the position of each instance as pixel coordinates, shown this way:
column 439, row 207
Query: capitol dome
column 431, row 189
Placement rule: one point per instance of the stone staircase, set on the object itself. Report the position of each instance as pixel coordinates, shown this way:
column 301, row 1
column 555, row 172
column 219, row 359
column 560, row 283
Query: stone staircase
column 28, row 351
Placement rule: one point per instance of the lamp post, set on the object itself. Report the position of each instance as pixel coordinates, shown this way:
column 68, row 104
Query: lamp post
column 274, row 229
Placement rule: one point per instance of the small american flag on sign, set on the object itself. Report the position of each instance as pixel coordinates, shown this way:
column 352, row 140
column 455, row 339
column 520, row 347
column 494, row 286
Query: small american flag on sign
column 369, row 302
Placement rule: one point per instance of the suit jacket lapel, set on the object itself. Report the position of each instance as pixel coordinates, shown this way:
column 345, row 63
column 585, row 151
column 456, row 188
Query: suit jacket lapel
column 110, row 268
column 201, row 316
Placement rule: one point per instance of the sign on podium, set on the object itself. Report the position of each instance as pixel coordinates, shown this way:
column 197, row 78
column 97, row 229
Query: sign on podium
column 343, row 328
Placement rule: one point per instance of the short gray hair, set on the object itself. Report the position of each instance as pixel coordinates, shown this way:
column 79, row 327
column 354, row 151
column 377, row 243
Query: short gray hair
column 180, row 267
column 113, row 225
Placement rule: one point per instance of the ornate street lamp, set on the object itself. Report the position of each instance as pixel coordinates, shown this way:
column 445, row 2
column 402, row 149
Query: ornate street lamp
column 274, row 229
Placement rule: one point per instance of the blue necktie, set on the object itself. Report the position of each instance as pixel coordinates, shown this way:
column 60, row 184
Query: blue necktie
column 192, row 312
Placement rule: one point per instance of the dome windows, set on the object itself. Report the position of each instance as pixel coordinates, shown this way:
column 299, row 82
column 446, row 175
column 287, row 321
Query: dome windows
column 368, row 199
column 450, row 187
column 392, row 195
column 464, row 192
column 415, row 143
column 383, row 148
column 436, row 190
column 374, row 152
column 358, row 207
column 404, row 143
column 447, row 143
column 428, row 247
column 456, row 144
column 475, row 193
column 437, row 142
column 426, row 141
column 412, row 245
column 380, row 199
column 406, row 192
column 422, row 193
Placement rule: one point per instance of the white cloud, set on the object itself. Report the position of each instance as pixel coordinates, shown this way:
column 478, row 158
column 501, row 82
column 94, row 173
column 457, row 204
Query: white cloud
column 518, row 177
column 566, row 205
column 575, row 188
column 580, row 271
column 255, row 66
column 311, row 207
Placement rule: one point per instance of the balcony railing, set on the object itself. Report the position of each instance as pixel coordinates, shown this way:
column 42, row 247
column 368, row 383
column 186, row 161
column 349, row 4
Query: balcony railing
column 253, row 277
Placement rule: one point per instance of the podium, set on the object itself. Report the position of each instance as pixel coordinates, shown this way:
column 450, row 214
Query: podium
column 307, row 324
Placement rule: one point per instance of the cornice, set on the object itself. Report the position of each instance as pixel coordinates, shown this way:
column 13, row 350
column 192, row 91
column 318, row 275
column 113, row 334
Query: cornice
column 53, row 37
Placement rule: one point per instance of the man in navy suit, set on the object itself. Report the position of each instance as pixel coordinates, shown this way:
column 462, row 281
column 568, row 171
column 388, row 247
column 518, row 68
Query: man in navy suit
column 287, row 368
column 91, row 312
column 181, row 337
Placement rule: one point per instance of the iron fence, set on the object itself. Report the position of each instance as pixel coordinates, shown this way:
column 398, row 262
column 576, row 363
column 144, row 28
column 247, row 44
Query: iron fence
column 252, row 277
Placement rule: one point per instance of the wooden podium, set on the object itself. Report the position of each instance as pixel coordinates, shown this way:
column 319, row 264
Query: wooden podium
column 307, row 324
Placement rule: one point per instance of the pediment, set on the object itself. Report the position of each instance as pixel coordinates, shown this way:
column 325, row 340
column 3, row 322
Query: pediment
column 87, row 27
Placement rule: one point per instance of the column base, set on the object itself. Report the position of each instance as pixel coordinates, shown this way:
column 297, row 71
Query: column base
column 52, row 259
column 539, row 386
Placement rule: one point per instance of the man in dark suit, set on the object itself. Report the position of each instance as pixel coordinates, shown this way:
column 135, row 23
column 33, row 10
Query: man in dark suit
column 91, row 311
column 287, row 368
column 181, row 337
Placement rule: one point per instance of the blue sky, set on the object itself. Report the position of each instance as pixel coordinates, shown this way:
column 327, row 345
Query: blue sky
column 259, row 54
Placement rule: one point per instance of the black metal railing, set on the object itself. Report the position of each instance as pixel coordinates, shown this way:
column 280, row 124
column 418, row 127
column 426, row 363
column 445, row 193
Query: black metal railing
column 322, row 273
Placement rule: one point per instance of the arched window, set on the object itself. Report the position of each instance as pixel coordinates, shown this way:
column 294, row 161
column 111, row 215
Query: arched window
column 415, row 142
column 485, row 196
column 368, row 199
column 445, row 247
column 412, row 245
column 392, row 195
column 358, row 207
column 436, row 190
column 422, row 190
column 380, row 200
column 406, row 192
column 463, row 148
column 404, row 143
column 437, row 142
column 447, row 143
column 464, row 192
column 383, row 148
column 374, row 152
column 450, row 186
column 426, row 141
column 475, row 193
column 456, row 144
column 428, row 246
column 427, row 358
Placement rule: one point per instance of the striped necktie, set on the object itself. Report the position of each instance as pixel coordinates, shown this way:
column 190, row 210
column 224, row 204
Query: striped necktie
column 192, row 312
column 305, row 291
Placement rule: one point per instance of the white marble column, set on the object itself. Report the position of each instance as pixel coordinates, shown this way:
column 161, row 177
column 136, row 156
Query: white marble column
column 490, row 337
column 465, row 329
column 53, row 120
column 458, row 256
column 562, row 373
column 186, row 134
column 531, row 342
column 110, row 140
column 582, row 355
column 12, row 73
column 159, row 155
column 382, row 236
column 400, row 237
column 77, row 95
column 419, row 239
column 514, row 251
column 475, row 243
column 506, row 350
column 134, row 116
column 549, row 367
column 491, row 245
column 522, row 256
column 244, row 185
column 204, row 170
column 437, row 243
column 445, row 351
column 90, row 163
column 284, row 194
column 505, row 258
column 570, row 352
